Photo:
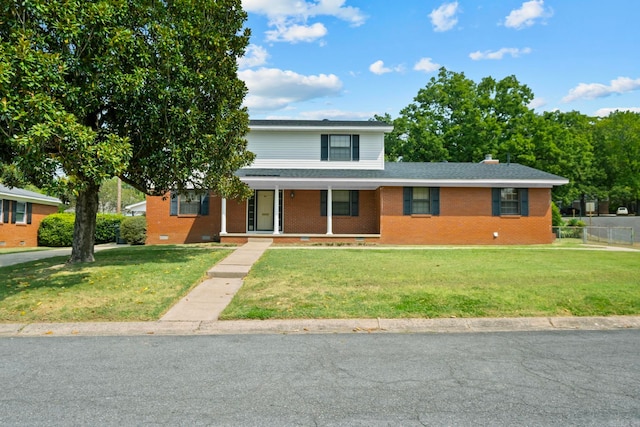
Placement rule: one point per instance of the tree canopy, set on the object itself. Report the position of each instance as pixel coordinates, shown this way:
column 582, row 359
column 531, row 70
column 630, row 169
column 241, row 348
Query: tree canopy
column 145, row 90
column 456, row 119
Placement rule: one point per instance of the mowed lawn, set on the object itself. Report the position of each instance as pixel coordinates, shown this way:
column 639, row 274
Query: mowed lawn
column 443, row 282
column 123, row 284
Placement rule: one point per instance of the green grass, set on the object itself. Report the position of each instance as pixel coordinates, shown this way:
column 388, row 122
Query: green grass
column 431, row 283
column 123, row 284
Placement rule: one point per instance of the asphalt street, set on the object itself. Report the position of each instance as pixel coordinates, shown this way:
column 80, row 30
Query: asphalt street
column 563, row 378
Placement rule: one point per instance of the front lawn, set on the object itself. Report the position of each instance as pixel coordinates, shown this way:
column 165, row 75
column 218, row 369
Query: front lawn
column 123, row 284
column 443, row 282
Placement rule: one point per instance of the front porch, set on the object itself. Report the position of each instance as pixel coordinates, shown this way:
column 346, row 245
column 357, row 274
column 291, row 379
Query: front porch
column 296, row 238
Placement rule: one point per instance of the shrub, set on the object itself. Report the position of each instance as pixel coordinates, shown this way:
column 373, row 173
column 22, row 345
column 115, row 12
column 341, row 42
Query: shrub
column 106, row 225
column 556, row 216
column 56, row 230
column 133, row 229
column 575, row 222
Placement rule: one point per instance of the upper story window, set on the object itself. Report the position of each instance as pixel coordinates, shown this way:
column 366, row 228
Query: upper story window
column 189, row 204
column 340, row 148
column 421, row 201
column 510, row 201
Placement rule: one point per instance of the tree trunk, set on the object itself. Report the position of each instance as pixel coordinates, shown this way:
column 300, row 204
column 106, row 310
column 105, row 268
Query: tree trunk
column 84, row 229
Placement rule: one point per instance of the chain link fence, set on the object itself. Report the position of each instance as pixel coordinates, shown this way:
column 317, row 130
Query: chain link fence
column 608, row 235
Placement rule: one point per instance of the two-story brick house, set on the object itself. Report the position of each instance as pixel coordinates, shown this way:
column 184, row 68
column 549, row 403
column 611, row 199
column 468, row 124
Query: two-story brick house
column 320, row 181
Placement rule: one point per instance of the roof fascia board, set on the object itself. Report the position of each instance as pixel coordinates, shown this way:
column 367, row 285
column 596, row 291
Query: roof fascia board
column 343, row 128
column 21, row 198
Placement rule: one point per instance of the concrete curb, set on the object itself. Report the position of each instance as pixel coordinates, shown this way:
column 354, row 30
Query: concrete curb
column 322, row 326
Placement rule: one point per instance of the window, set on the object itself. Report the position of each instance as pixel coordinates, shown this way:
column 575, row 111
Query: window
column 421, row 201
column 189, row 204
column 343, row 202
column 15, row 212
column 340, row 148
column 510, row 201
column 20, row 213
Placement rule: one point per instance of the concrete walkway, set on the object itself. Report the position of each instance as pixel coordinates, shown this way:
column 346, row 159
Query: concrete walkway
column 207, row 300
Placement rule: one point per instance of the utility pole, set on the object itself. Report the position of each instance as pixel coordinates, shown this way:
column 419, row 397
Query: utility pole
column 119, row 197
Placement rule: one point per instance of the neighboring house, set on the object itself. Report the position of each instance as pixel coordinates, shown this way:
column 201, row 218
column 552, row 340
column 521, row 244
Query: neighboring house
column 327, row 181
column 136, row 209
column 20, row 214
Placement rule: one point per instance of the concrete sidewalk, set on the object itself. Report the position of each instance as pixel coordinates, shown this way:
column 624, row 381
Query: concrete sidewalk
column 207, row 300
column 322, row 326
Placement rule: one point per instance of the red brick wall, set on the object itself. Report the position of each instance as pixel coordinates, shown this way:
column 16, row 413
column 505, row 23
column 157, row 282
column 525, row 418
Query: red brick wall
column 302, row 215
column 465, row 218
column 164, row 228
column 25, row 234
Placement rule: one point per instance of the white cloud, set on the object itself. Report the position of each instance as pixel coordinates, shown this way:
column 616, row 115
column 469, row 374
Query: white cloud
column 426, row 65
column 499, row 54
column 537, row 103
column 296, row 33
column 527, row 14
column 274, row 89
column 379, row 68
column 604, row 112
column 444, row 18
column 599, row 90
column 255, row 56
column 290, row 17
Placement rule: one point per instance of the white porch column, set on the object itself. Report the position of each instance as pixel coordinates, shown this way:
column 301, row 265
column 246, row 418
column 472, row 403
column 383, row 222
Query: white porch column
column 276, row 211
column 329, row 211
column 223, row 217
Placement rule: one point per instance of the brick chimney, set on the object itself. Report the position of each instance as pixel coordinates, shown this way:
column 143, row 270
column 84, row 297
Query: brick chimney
column 489, row 160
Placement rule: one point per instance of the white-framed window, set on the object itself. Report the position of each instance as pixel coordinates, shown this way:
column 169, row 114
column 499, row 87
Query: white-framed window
column 509, row 201
column 20, row 213
column 340, row 148
column 190, row 203
column 2, row 220
column 421, row 201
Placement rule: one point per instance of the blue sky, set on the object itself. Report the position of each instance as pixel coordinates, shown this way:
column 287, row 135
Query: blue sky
column 351, row 59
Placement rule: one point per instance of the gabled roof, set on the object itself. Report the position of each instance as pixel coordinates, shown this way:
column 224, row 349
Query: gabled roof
column 22, row 195
column 327, row 125
column 407, row 174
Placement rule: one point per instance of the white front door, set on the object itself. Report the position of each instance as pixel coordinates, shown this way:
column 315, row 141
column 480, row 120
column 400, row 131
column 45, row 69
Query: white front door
column 264, row 210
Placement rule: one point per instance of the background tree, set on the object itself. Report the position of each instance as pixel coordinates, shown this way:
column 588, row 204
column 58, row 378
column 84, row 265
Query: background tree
column 617, row 149
column 141, row 89
column 454, row 119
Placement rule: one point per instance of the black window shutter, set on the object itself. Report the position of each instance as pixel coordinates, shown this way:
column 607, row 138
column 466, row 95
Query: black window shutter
column 355, row 148
column 434, row 194
column 29, row 210
column 173, row 208
column 6, row 207
column 324, row 147
column 14, row 208
column 407, row 194
column 523, row 195
column 354, row 196
column 323, row 202
column 495, row 201
column 204, row 204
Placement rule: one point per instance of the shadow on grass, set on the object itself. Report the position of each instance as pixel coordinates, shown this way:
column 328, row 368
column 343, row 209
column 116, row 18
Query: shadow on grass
column 54, row 273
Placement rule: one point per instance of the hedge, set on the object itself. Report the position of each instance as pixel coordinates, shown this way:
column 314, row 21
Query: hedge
column 56, row 230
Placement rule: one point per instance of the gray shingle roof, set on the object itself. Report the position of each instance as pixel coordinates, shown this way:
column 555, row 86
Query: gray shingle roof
column 19, row 193
column 418, row 171
column 319, row 123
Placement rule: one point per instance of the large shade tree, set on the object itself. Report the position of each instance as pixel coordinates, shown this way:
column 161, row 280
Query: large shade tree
column 145, row 90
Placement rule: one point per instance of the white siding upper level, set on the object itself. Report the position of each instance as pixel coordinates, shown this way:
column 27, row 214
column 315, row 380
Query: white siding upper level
column 294, row 144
